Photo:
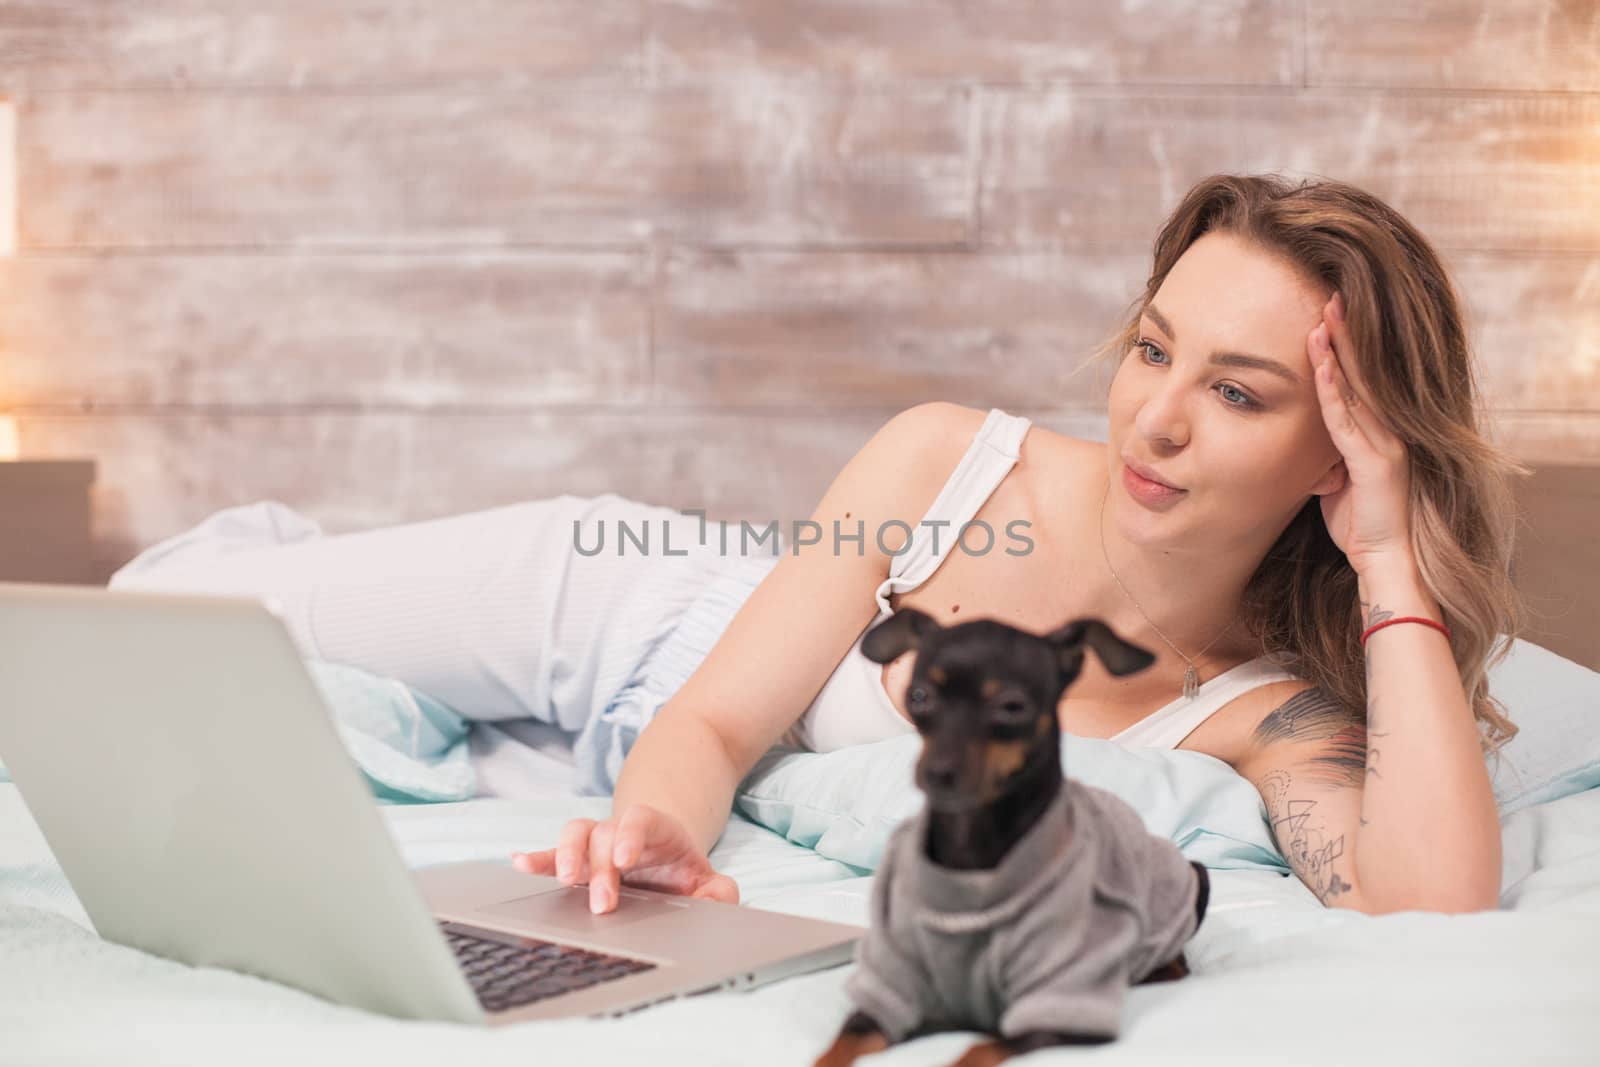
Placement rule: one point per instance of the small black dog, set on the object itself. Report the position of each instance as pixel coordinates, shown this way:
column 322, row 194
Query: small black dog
column 1011, row 904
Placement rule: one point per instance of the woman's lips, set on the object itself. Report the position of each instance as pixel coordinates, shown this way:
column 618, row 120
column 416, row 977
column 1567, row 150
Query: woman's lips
column 1152, row 494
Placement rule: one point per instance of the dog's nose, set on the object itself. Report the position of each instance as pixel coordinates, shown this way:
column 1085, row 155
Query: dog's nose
column 942, row 777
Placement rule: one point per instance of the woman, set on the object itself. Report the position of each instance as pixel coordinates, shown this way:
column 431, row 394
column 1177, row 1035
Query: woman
column 1296, row 390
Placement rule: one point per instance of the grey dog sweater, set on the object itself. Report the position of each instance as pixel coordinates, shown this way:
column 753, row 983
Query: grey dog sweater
column 1087, row 903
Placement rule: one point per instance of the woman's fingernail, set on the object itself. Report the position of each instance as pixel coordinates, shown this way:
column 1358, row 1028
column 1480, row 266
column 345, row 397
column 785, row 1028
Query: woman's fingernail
column 564, row 869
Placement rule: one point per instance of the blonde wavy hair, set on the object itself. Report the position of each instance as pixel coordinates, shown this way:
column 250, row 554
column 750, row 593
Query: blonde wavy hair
column 1411, row 350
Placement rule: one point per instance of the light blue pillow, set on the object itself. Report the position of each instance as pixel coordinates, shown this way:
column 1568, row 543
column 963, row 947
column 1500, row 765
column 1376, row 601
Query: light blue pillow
column 408, row 746
column 844, row 803
column 1555, row 704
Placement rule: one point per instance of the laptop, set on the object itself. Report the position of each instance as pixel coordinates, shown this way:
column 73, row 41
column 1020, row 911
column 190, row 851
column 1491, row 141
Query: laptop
column 189, row 779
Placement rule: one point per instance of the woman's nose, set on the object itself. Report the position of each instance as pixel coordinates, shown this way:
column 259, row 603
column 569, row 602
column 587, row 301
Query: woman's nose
column 1162, row 415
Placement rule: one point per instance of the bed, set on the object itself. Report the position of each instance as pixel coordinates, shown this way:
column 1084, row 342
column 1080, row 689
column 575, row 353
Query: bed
column 1276, row 978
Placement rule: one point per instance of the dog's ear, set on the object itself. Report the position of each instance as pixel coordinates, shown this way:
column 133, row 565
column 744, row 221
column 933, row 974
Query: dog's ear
column 905, row 629
column 1119, row 656
column 1067, row 641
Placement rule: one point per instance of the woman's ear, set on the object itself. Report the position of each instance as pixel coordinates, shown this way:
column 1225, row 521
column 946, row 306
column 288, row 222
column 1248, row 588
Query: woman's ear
column 1333, row 481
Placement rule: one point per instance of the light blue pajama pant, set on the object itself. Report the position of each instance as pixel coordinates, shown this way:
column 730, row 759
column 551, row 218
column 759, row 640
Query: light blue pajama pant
column 496, row 612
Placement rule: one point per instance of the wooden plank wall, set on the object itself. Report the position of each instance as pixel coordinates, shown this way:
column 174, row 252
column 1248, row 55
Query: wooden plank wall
column 391, row 259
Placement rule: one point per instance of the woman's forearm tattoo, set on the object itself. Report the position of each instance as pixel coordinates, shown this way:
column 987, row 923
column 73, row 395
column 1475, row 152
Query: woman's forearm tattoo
column 1375, row 614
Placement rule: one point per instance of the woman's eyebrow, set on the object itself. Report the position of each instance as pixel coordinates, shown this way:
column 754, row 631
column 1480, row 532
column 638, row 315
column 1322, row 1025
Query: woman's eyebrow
column 1229, row 359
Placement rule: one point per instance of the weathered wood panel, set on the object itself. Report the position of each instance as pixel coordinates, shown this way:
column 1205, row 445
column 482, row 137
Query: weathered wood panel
column 486, row 329
column 138, row 44
column 1071, row 168
column 1544, row 437
column 1535, row 323
column 8, row 178
column 1455, row 44
column 578, row 169
column 874, row 329
column 386, row 259
column 81, row 44
column 996, row 41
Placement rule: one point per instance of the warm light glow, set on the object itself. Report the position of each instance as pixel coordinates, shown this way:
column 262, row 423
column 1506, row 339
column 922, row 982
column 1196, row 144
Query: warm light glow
column 9, row 448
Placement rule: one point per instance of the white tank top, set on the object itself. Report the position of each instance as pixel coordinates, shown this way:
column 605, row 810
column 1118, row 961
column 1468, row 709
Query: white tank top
column 852, row 708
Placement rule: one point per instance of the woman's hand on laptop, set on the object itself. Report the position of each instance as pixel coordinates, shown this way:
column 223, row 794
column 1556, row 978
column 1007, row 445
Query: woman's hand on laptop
column 645, row 847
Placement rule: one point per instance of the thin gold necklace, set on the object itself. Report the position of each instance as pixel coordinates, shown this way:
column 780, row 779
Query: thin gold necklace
column 1191, row 677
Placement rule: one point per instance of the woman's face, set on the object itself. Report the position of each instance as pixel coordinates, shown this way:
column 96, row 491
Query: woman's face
column 1217, row 399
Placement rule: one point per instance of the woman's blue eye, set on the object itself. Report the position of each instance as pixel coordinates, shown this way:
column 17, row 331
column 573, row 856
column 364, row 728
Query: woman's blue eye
column 1244, row 401
column 1148, row 347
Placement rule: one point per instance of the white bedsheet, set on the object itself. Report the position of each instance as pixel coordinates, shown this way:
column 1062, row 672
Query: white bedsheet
column 522, row 759
column 1277, row 978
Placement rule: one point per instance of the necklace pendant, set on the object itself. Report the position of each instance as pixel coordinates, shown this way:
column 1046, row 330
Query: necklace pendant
column 1191, row 683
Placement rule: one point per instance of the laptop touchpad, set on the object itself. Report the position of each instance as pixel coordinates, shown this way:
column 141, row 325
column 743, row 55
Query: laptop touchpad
column 568, row 908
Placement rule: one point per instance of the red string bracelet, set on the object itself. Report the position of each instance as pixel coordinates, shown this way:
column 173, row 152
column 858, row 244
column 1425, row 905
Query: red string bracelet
column 1375, row 627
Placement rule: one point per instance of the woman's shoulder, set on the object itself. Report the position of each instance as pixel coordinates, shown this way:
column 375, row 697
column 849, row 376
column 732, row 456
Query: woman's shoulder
column 929, row 439
column 1239, row 731
column 1053, row 478
column 946, row 427
column 933, row 436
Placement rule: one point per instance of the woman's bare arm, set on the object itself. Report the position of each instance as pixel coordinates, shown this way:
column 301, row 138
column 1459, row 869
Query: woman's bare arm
column 1431, row 838
column 794, row 629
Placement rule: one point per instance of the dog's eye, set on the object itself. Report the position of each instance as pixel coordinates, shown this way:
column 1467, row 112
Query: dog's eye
column 917, row 696
column 1012, row 710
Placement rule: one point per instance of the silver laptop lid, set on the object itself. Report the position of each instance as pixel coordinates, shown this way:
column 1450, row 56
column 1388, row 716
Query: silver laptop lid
column 136, row 727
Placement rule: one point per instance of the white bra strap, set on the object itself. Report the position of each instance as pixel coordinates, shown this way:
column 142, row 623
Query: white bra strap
column 993, row 451
column 1167, row 726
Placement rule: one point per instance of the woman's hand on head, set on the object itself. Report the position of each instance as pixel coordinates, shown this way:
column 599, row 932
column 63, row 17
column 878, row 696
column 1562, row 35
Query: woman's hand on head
column 1369, row 515
column 645, row 847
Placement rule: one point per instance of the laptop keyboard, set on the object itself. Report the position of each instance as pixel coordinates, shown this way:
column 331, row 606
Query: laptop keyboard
column 511, row 973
